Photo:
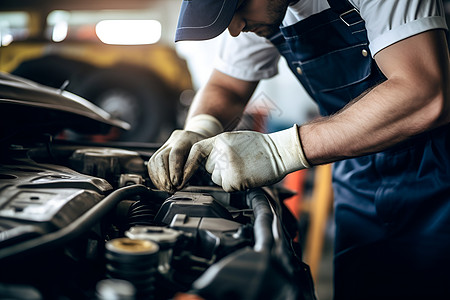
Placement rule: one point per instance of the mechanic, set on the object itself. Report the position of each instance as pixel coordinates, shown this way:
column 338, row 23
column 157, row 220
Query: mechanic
column 379, row 72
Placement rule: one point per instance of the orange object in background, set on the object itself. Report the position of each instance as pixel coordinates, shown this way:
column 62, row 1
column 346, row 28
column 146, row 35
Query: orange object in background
column 183, row 296
column 295, row 182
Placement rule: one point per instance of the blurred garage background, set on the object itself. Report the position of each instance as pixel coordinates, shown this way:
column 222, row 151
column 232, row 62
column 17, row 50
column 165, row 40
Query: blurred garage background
column 117, row 54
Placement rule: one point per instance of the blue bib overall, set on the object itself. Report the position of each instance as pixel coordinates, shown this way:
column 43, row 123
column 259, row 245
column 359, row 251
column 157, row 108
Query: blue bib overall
column 392, row 208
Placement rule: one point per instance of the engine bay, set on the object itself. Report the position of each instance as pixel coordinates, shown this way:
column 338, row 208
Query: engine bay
column 84, row 222
column 81, row 219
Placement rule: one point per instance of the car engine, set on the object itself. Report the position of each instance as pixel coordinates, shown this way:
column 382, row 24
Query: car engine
column 82, row 220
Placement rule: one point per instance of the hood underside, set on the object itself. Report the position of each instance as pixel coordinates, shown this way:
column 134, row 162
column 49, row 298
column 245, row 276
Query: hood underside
column 29, row 108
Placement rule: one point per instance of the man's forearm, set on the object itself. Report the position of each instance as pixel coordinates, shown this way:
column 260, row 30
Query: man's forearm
column 389, row 114
column 414, row 99
column 224, row 98
column 217, row 103
column 375, row 122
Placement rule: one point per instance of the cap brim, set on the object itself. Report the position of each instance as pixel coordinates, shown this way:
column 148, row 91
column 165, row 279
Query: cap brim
column 204, row 19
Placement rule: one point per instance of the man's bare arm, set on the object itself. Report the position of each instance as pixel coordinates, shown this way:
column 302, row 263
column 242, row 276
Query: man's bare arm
column 414, row 99
column 223, row 97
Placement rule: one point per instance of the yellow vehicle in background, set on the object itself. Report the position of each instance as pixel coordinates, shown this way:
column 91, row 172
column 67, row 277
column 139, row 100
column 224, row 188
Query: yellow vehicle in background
column 116, row 54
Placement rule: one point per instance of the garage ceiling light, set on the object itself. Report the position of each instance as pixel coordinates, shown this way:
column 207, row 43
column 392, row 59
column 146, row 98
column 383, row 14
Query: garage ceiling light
column 60, row 30
column 128, row 32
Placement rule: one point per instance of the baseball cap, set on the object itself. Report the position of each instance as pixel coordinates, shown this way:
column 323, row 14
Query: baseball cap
column 204, row 19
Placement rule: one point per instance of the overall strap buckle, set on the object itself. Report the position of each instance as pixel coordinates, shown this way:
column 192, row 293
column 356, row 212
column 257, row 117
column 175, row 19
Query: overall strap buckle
column 351, row 17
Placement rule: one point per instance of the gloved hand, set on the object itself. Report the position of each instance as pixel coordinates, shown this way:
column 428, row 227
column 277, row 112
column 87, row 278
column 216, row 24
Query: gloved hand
column 166, row 165
column 244, row 159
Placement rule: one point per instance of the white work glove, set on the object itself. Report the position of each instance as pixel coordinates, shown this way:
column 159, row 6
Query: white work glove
column 244, row 159
column 166, row 165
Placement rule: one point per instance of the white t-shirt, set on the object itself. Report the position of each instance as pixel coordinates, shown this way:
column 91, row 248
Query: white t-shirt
column 250, row 57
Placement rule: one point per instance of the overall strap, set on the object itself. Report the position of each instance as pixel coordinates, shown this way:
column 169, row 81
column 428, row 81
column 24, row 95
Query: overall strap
column 346, row 11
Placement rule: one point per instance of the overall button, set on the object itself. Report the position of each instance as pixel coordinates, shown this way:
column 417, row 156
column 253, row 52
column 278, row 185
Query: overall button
column 363, row 52
column 299, row 71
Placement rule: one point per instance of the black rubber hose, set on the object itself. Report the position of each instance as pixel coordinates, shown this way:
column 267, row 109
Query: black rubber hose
column 263, row 214
column 77, row 227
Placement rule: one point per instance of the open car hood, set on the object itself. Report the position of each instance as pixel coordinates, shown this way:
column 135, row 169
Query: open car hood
column 28, row 108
